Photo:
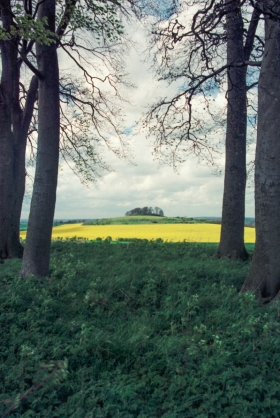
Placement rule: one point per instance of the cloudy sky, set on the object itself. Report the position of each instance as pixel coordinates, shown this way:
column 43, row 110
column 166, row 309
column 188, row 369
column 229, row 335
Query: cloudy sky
column 195, row 191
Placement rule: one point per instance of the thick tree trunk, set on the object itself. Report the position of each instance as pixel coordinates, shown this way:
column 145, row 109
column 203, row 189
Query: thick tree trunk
column 233, row 212
column 14, row 125
column 12, row 159
column 9, row 240
column 37, row 249
column 264, row 275
column 21, row 127
column 8, row 244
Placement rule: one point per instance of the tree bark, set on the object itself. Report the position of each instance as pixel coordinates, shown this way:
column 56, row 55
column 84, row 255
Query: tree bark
column 264, row 275
column 21, row 125
column 12, row 162
column 14, row 125
column 9, row 241
column 37, row 249
column 12, row 186
column 233, row 212
column 8, row 245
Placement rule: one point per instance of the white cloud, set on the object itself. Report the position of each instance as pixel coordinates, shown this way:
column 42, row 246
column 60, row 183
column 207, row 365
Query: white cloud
column 194, row 192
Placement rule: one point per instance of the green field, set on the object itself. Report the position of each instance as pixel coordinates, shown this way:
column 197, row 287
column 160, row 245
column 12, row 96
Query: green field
column 143, row 329
column 142, row 219
column 23, row 225
column 198, row 232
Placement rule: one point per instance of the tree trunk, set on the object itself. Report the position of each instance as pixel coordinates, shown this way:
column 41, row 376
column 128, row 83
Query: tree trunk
column 233, row 212
column 12, row 166
column 8, row 245
column 37, row 249
column 14, row 125
column 9, row 240
column 264, row 274
column 21, row 127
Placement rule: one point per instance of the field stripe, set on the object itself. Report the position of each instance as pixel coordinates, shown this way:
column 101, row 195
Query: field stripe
column 167, row 232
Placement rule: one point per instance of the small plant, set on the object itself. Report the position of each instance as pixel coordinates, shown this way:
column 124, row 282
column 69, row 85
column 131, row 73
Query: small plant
column 53, row 372
column 156, row 331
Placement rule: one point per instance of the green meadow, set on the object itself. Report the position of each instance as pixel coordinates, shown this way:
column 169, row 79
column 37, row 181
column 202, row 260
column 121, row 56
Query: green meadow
column 143, row 219
column 143, row 329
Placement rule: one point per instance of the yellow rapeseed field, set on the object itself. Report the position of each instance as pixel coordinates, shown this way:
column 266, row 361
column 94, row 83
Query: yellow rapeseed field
column 167, row 232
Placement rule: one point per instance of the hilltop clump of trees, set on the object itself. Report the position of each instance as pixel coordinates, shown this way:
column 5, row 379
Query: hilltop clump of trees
column 156, row 211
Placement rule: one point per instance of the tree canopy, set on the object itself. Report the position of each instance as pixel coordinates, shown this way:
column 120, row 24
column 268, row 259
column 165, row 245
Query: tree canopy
column 156, row 211
column 189, row 50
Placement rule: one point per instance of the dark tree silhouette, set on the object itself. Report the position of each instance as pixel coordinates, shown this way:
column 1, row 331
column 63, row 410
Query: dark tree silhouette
column 233, row 212
column 37, row 252
column 145, row 211
column 219, row 44
column 264, row 274
column 37, row 249
column 14, row 125
column 89, row 112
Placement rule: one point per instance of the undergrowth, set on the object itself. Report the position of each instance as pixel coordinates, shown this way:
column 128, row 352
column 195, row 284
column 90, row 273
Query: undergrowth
column 145, row 329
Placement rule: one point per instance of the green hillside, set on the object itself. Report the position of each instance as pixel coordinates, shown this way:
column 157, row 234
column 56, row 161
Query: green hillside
column 143, row 219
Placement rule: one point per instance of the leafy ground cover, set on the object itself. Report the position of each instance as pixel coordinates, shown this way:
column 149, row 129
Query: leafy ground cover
column 143, row 329
column 202, row 232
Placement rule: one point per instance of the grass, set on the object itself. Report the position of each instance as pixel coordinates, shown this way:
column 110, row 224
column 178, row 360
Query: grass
column 145, row 329
column 23, row 225
column 144, row 219
column 168, row 232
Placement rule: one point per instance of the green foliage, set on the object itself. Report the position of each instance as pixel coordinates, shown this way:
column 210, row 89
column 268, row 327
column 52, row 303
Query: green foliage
column 34, row 30
column 144, row 329
column 28, row 28
column 96, row 16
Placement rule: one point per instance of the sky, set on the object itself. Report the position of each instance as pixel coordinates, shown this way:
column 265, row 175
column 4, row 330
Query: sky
column 194, row 191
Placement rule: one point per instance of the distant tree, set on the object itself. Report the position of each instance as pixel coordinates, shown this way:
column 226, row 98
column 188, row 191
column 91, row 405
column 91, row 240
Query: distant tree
column 157, row 210
column 145, row 211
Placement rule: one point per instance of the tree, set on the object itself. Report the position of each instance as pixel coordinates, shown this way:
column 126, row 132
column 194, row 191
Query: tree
column 6, row 141
column 145, row 211
column 93, row 107
column 37, row 252
column 196, row 57
column 14, row 125
column 233, row 212
column 37, row 249
column 264, row 275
